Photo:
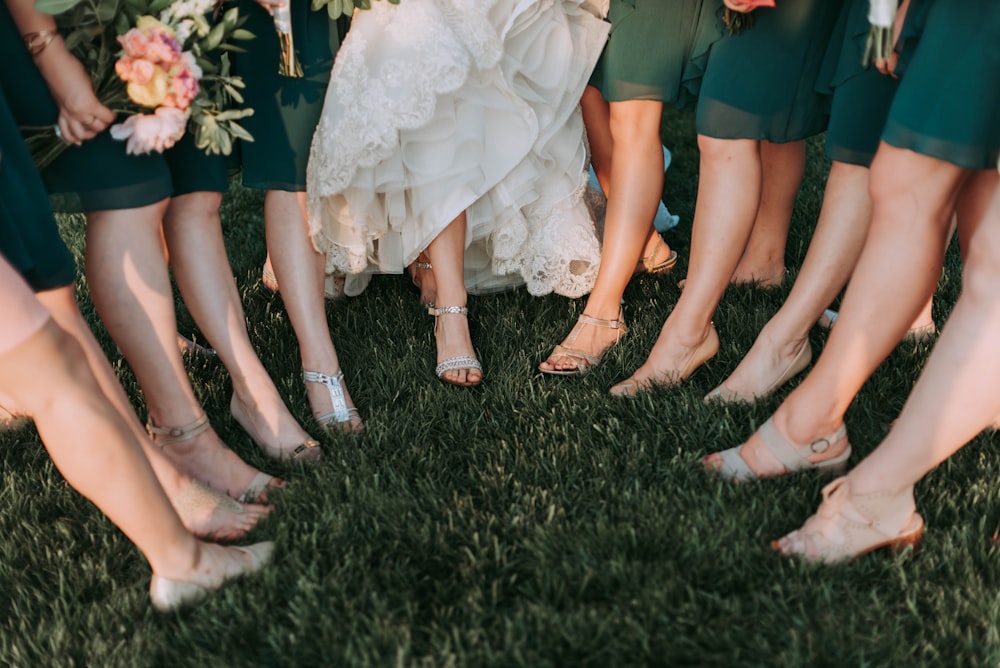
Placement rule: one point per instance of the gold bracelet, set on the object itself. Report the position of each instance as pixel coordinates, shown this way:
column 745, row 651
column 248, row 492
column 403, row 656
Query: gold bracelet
column 37, row 41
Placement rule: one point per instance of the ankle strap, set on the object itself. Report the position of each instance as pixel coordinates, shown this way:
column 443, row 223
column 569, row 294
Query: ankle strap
column 177, row 434
column 617, row 323
column 442, row 310
column 317, row 377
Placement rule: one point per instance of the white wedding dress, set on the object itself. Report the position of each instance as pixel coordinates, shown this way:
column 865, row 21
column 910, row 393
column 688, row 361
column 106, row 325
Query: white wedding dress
column 441, row 106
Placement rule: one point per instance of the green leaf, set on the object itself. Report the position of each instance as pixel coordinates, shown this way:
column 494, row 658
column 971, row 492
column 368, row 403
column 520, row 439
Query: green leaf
column 242, row 34
column 231, row 17
column 55, row 6
column 122, row 24
column 214, row 38
column 239, row 131
column 157, row 6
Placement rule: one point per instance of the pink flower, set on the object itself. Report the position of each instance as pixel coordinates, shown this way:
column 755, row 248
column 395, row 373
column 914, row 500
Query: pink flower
column 133, row 42
column 163, row 49
column 183, row 87
column 148, row 133
column 135, row 70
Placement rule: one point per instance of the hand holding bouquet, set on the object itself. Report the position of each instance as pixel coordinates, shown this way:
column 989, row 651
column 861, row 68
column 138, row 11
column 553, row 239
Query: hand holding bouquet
column 139, row 62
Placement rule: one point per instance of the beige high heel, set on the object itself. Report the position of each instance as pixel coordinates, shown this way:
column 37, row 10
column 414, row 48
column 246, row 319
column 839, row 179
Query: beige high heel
column 174, row 435
column 848, row 525
column 649, row 264
column 801, row 360
column 168, row 595
column 586, row 362
column 307, row 451
column 792, row 456
column 705, row 351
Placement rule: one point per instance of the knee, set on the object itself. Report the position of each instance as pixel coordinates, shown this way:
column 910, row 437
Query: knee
column 195, row 207
column 715, row 150
column 635, row 123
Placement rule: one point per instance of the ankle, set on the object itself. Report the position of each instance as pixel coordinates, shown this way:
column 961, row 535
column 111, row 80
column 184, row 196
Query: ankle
column 178, row 562
column 802, row 428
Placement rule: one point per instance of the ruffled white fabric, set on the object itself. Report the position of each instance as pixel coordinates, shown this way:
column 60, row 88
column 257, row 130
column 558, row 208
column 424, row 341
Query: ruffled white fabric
column 441, row 106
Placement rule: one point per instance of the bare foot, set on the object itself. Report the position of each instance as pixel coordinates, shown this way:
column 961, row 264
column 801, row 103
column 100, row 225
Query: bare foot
column 203, row 456
column 451, row 333
column 273, row 429
column 209, row 514
column 767, row 366
column 671, row 361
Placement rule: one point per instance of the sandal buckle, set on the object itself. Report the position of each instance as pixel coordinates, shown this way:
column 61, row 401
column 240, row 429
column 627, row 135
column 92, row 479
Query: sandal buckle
column 820, row 445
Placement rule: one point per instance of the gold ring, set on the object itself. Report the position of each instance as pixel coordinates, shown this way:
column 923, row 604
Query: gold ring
column 90, row 123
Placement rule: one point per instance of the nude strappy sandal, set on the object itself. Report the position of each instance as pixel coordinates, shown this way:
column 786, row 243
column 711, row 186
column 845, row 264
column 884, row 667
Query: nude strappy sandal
column 174, row 435
column 585, row 362
column 848, row 525
column 793, row 457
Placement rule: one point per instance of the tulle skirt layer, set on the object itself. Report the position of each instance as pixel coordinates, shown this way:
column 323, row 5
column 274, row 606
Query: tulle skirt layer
column 437, row 108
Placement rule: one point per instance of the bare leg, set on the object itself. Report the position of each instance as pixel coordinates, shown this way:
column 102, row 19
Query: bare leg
column 97, row 453
column 451, row 330
column 633, row 192
column 597, row 120
column 299, row 270
column 202, row 514
column 763, row 261
column 955, row 397
column 957, row 394
column 131, row 290
column 198, row 256
column 833, row 253
column 913, row 199
column 729, row 193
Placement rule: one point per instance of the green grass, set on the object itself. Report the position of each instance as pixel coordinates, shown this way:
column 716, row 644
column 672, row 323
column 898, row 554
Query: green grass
column 533, row 521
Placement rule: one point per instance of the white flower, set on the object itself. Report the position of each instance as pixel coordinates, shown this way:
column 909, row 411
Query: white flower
column 151, row 133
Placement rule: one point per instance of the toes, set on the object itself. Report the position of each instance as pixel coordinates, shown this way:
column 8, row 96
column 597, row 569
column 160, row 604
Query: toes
column 712, row 462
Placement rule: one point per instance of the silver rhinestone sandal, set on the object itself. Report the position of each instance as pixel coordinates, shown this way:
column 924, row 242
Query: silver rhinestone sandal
column 454, row 363
column 343, row 416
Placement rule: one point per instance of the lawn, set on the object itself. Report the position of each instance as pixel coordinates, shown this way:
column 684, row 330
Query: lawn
column 533, row 521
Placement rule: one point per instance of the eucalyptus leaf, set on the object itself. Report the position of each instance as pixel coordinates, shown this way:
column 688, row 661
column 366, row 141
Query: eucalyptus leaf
column 55, row 7
column 240, row 131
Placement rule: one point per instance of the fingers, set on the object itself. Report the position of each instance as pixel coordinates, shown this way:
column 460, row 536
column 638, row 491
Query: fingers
column 77, row 127
column 887, row 66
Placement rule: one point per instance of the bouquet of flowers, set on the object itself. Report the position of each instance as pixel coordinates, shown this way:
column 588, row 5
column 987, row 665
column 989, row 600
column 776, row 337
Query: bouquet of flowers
column 738, row 21
column 153, row 55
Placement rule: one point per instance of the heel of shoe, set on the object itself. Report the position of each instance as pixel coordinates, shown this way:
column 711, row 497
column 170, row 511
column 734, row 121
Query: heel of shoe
column 169, row 595
column 910, row 540
column 905, row 543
